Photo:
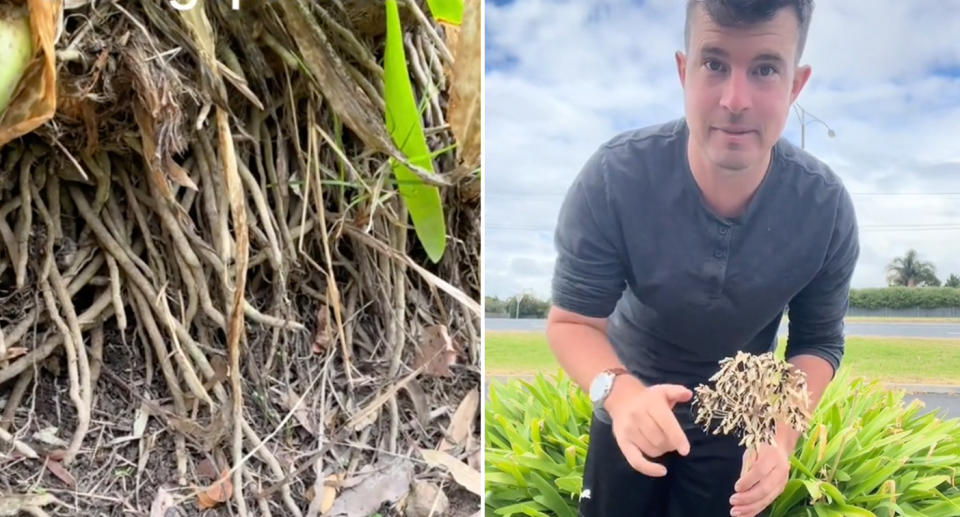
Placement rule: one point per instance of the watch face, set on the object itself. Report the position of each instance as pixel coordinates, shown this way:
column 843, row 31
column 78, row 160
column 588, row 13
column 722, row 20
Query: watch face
column 600, row 386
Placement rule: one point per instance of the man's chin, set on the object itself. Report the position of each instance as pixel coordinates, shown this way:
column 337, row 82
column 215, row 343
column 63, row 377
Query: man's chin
column 733, row 162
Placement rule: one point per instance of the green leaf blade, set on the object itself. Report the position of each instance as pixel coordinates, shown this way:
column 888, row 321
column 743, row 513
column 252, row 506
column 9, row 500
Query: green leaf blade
column 406, row 130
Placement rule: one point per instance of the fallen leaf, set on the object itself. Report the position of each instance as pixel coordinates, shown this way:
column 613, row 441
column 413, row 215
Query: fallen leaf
column 436, row 351
column 425, row 500
column 462, row 421
column 207, row 470
column 140, row 422
column 464, row 475
column 179, row 175
column 321, row 334
column 387, row 484
column 13, row 353
column 217, row 493
column 162, row 502
column 475, row 460
column 368, row 414
column 419, row 399
column 48, row 435
column 331, row 484
column 301, row 413
column 61, row 472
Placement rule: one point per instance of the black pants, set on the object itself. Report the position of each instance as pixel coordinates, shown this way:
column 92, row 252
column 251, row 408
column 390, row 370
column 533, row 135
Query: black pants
column 698, row 485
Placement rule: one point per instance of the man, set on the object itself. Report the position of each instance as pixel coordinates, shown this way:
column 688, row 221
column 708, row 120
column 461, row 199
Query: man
column 679, row 245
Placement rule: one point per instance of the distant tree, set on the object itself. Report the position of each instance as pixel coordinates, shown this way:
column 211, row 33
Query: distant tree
column 910, row 271
column 494, row 305
column 529, row 307
column 953, row 281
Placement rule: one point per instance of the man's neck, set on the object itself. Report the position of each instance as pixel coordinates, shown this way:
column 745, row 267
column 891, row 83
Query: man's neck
column 726, row 192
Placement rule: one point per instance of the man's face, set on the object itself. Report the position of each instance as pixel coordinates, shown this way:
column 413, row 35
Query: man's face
column 738, row 86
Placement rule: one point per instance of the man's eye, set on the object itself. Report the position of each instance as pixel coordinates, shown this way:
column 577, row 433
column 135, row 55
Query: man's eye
column 713, row 65
column 766, row 70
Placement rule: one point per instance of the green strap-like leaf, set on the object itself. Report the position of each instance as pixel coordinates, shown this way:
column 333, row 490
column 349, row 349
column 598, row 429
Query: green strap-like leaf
column 449, row 11
column 403, row 122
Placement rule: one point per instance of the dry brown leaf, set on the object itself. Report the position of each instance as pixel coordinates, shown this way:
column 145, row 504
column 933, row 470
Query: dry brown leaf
column 436, row 352
column 179, row 175
column 339, row 88
column 13, row 353
column 462, row 421
column 426, row 500
column 301, row 413
column 140, row 422
column 61, row 472
column 420, row 404
column 207, row 470
column 368, row 414
column 464, row 111
column 217, row 493
column 464, row 475
column 331, row 485
column 321, row 334
column 475, row 460
column 388, row 483
column 162, row 502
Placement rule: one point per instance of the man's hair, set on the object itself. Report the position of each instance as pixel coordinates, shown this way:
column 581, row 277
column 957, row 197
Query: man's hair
column 743, row 13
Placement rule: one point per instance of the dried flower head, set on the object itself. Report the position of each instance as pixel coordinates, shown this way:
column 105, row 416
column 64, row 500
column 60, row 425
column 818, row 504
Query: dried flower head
column 750, row 393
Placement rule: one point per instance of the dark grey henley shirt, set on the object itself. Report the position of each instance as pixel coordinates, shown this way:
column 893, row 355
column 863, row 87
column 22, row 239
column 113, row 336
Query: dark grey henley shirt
column 682, row 287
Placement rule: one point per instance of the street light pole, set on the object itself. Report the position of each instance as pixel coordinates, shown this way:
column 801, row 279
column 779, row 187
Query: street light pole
column 802, row 115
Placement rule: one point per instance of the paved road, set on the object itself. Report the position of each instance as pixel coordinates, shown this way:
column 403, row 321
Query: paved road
column 918, row 330
column 949, row 403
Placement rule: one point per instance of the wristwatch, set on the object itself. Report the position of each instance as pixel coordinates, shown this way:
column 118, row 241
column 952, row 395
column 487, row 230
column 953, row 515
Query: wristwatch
column 602, row 385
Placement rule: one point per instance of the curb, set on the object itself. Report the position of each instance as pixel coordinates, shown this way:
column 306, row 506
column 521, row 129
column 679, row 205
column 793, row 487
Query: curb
column 917, row 389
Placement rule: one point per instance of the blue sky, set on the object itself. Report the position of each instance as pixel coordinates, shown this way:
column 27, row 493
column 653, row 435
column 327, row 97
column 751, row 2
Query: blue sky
column 563, row 77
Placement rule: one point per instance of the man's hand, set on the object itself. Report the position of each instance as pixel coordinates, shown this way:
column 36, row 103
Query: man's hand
column 644, row 424
column 766, row 476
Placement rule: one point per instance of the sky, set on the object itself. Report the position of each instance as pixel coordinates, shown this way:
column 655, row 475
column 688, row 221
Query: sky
column 561, row 78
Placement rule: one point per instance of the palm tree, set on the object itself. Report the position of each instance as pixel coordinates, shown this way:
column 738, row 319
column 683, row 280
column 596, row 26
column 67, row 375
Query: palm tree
column 910, row 271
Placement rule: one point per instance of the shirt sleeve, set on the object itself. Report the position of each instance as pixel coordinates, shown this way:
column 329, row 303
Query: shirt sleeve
column 589, row 275
column 817, row 311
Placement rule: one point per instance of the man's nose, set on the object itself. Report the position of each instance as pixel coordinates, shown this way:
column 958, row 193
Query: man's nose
column 736, row 93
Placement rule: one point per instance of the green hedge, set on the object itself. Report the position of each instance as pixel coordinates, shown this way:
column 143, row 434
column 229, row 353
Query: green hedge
column 905, row 297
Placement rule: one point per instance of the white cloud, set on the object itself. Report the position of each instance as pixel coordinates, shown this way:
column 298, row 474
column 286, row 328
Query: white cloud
column 563, row 77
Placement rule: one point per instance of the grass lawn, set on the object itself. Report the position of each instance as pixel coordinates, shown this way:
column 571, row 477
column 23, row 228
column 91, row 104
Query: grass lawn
column 895, row 360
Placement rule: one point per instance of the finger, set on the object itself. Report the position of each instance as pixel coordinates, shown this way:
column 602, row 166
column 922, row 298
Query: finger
column 749, row 458
column 676, row 393
column 756, row 508
column 670, row 427
column 772, row 484
column 654, row 435
column 647, row 447
column 641, row 464
column 764, row 464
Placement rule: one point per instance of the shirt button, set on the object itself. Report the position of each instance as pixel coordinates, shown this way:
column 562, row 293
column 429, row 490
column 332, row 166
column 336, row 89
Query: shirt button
column 723, row 230
column 718, row 253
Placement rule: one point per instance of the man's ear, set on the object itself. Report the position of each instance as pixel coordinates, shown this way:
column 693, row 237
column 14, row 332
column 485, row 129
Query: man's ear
column 681, row 67
column 800, row 78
